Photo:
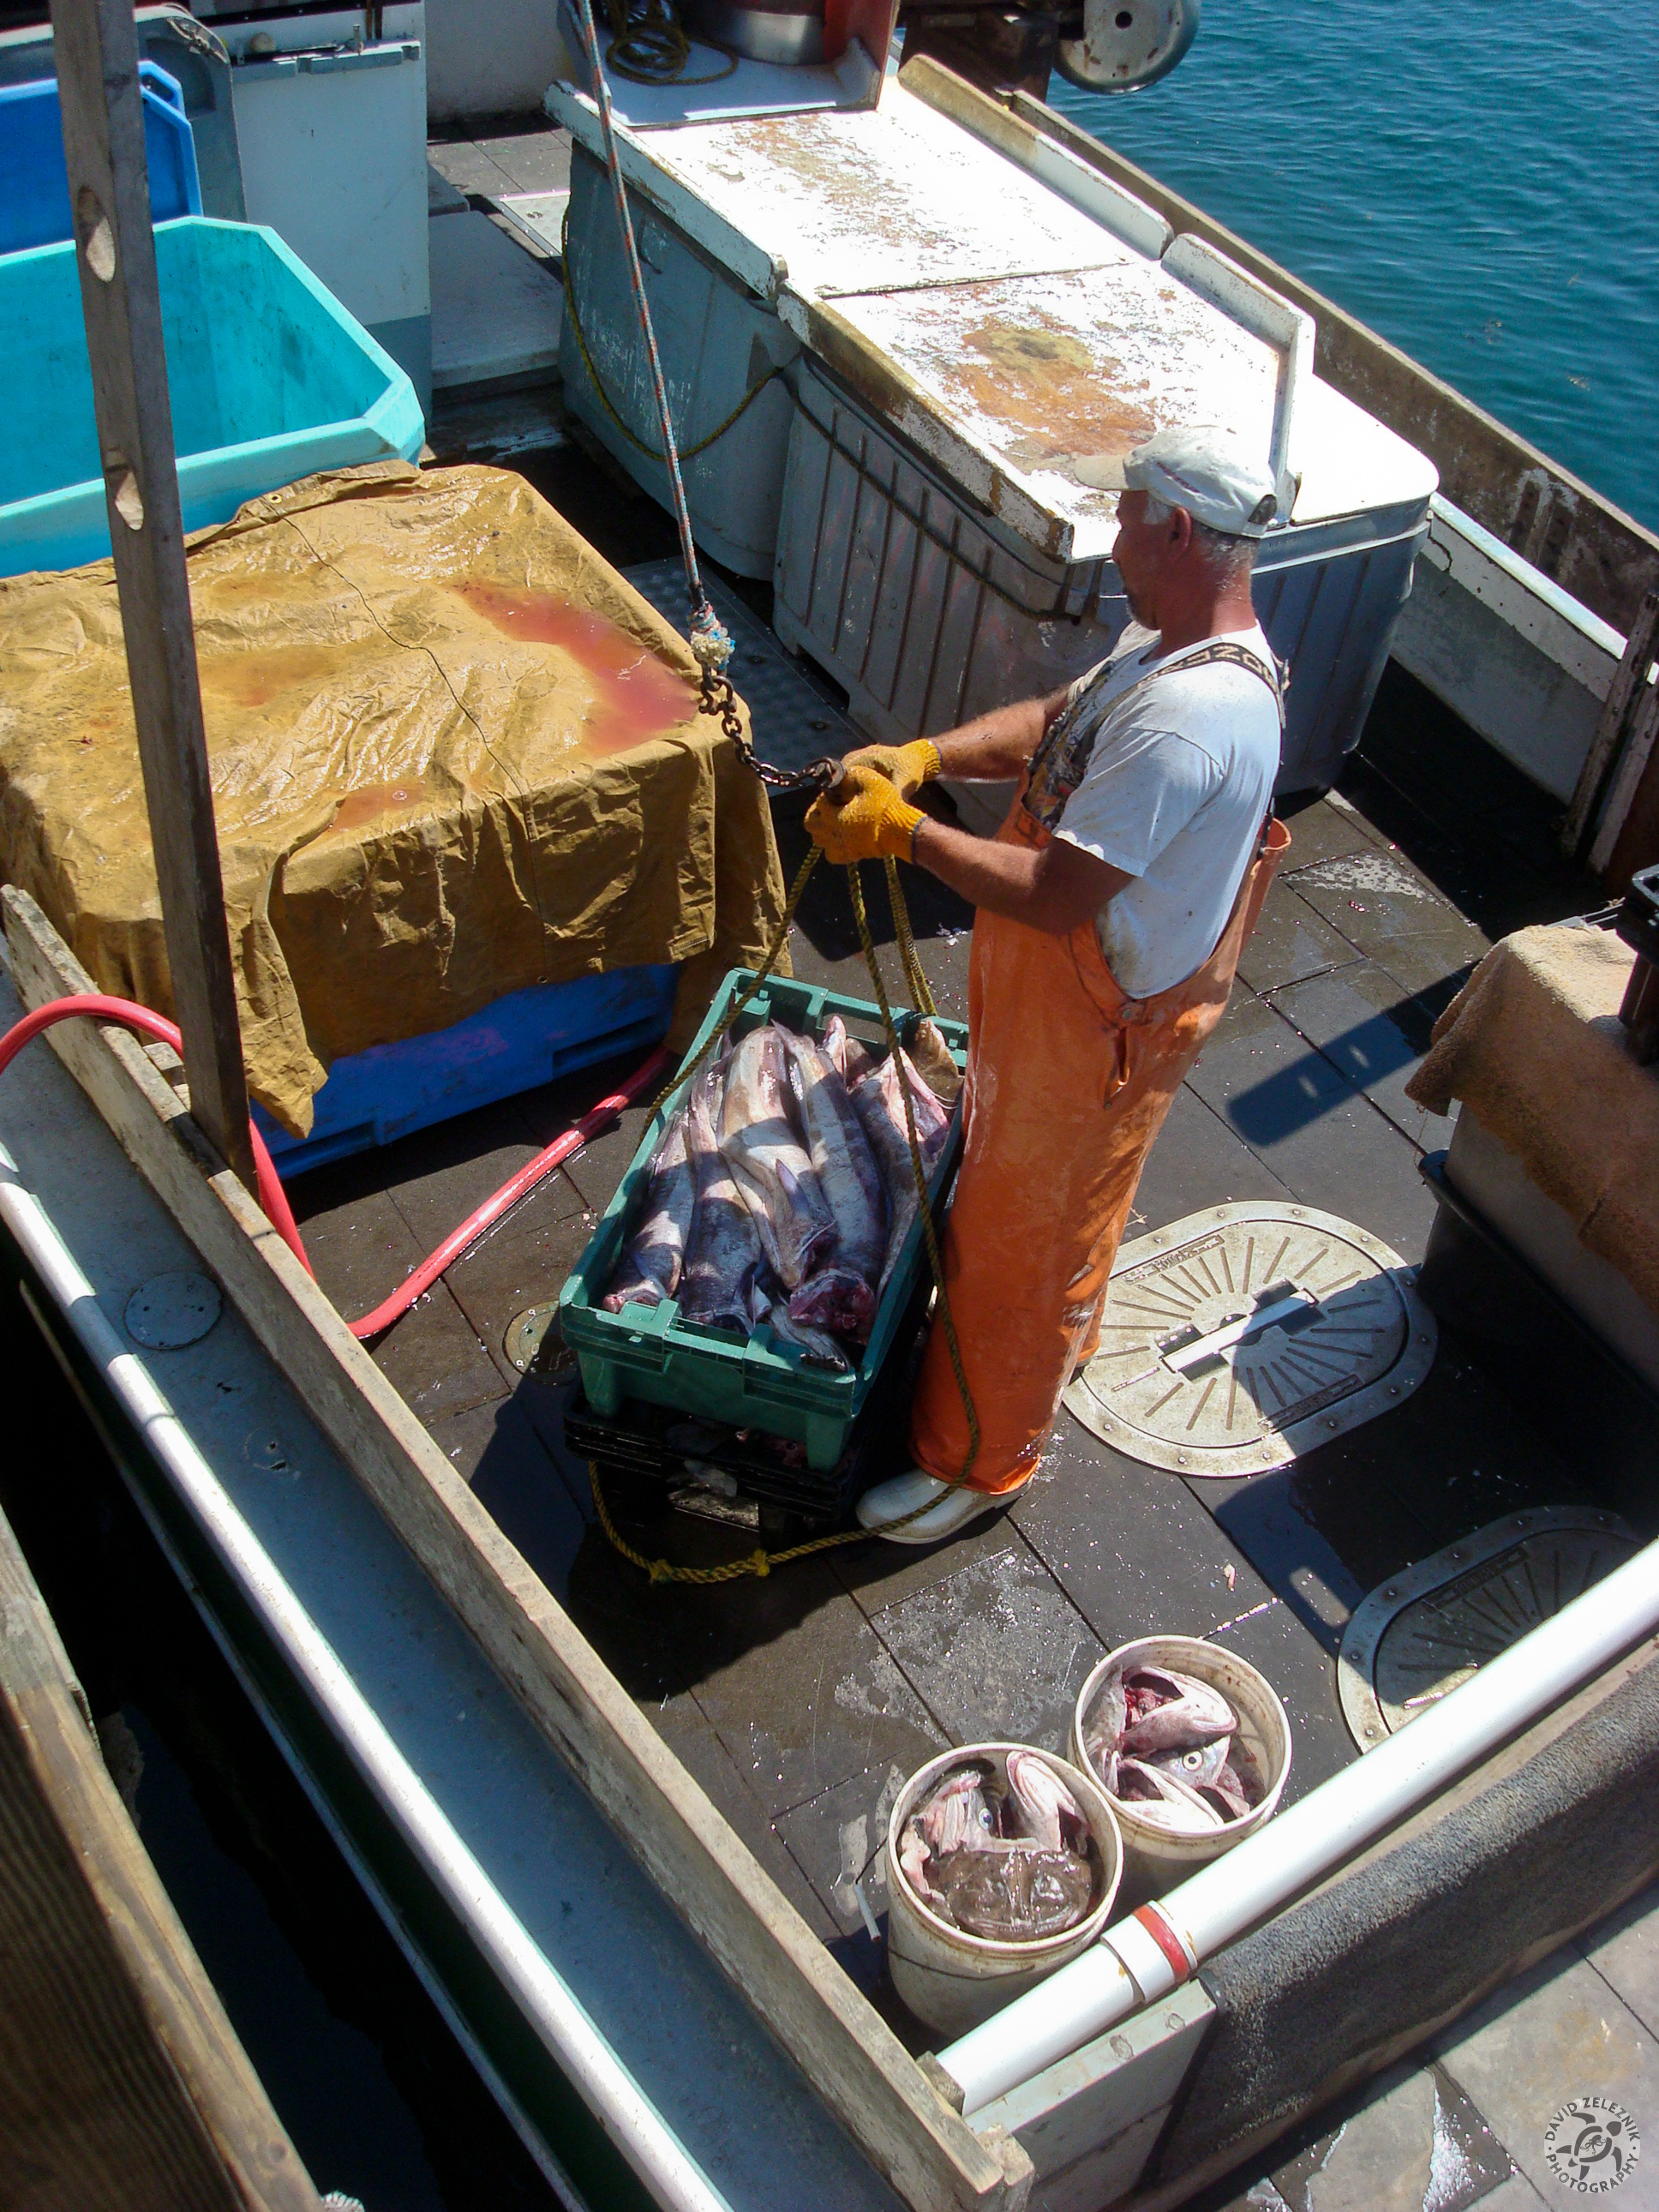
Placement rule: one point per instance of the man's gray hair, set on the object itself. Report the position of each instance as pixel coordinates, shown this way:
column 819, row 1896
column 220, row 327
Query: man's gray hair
column 1229, row 559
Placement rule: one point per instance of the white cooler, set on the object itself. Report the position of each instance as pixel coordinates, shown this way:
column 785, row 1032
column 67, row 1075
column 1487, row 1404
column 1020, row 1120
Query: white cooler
column 949, row 329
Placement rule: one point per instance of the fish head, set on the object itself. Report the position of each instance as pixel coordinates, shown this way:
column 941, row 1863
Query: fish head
column 1196, row 1765
column 1044, row 1807
column 1169, row 1712
column 1163, row 1800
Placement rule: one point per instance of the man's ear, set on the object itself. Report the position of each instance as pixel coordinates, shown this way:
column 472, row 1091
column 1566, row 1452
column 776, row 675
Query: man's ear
column 1180, row 530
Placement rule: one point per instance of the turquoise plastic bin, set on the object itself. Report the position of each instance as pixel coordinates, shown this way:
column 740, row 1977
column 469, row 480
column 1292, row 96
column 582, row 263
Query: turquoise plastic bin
column 271, row 379
column 34, row 202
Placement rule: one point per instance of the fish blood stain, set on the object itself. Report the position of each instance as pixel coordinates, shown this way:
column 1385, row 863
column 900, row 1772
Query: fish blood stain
column 635, row 696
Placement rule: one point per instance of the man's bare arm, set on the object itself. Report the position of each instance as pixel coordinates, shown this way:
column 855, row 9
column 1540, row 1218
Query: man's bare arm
column 1054, row 889
column 999, row 745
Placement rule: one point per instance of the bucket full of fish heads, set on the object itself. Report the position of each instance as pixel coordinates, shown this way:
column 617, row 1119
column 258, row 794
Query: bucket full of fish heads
column 1191, row 1746
column 758, row 1261
column 1002, row 1864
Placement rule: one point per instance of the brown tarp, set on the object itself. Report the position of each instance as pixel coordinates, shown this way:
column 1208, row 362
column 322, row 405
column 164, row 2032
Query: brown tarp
column 443, row 769
column 1533, row 1046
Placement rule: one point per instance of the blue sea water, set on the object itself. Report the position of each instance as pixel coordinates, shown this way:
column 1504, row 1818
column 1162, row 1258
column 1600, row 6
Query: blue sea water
column 1477, row 179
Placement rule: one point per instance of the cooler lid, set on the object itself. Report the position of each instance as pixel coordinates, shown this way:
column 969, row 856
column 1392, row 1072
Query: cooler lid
column 1029, row 391
column 863, row 200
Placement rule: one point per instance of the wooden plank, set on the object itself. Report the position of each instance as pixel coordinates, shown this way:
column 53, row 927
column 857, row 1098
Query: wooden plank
column 123, row 2087
column 1602, row 759
column 852, row 2059
column 97, row 58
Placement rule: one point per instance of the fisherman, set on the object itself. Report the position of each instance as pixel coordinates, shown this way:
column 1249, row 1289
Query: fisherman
column 1111, row 911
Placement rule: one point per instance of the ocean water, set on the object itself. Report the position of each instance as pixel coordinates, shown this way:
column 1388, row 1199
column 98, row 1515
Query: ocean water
column 1477, row 179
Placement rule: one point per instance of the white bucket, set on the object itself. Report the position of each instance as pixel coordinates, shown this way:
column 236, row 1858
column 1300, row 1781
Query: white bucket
column 1153, row 1860
column 952, row 1980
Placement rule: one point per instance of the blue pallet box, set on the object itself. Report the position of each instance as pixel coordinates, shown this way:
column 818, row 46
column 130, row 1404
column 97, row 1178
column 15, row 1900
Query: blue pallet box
column 35, row 200
column 270, row 379
column 519, row 1041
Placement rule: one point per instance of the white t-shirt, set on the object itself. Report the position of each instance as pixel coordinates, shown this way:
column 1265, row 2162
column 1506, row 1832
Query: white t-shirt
column 1172, row 785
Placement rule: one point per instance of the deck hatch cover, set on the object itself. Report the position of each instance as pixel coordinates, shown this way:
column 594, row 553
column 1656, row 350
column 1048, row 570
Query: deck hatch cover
column 1427, row 1630
column 1239, row 1337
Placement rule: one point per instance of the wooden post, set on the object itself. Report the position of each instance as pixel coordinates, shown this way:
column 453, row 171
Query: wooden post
column 98, row 85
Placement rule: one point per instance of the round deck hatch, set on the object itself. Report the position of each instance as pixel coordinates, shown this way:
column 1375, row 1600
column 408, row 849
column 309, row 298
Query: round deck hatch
column 1420, row 1636
column 1238, row 1337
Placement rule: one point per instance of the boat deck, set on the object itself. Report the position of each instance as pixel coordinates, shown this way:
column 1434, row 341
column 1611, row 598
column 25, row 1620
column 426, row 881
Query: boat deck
column 800, row 1702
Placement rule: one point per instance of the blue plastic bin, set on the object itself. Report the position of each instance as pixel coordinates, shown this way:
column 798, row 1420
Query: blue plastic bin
column 525, row 1039
column 34, row 202
column 270, row 378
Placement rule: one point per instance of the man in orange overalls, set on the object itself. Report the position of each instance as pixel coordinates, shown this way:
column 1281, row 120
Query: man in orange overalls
column 1111, row 909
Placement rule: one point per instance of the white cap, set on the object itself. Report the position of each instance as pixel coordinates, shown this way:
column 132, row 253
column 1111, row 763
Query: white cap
column 1206, row 470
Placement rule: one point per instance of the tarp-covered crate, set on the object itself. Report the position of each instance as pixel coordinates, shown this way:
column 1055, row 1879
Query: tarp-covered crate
column 453, row 755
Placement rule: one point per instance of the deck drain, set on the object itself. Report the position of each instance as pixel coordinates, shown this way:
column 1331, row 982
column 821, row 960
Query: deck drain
column 535, row 1344
column 1432, row 1628
column 172, row 1311
column 1240, row 1337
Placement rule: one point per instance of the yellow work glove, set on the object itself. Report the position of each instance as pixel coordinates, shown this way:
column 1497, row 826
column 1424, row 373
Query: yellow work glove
column 906, row 767
column 869, row 821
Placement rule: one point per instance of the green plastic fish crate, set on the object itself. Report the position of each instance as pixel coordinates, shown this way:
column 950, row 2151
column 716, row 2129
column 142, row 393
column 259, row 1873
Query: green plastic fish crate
column 649, row 1352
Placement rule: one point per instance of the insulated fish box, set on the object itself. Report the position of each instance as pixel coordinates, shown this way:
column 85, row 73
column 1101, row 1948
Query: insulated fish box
column 649, row 1352
column 932, row 602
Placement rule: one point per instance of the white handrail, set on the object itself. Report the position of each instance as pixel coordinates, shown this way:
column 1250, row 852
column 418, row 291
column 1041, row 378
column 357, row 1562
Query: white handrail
column 551, row 2010
column 1144, row 1957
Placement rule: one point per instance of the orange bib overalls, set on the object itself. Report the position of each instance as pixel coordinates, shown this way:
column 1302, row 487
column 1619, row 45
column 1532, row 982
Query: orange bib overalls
column 1069, row 1082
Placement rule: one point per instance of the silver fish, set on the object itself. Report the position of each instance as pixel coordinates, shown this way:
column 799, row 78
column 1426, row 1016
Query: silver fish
column 770, row 1164
column 851, row 1059
column 1046, row 1808
column 1186, row 1712
column 1163, row 1800
column 878, row 1101
column 841, row 1294
column 653, row 1258
column 723, row 1250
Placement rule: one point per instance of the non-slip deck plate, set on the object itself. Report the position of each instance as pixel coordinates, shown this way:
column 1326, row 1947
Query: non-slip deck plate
column 1428, row 1629
column 1239, row 1337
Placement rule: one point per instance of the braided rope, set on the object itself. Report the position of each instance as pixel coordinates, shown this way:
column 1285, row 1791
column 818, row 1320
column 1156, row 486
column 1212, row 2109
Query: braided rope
column 651, row 48
column 920, row 997
column 651, row 453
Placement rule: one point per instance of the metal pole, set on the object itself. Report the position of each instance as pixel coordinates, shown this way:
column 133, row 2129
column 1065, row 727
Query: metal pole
column 97, row 60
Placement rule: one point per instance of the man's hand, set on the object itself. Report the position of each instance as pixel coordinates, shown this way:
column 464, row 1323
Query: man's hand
column 870, row 822
column 907, row 768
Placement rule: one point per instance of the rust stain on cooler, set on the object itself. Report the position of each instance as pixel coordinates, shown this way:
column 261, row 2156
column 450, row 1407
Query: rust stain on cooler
column 1054, row 397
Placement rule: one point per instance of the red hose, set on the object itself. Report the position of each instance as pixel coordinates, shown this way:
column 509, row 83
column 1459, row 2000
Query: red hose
column 596, row 1119
column 274, row 1199
column 96, row 1007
